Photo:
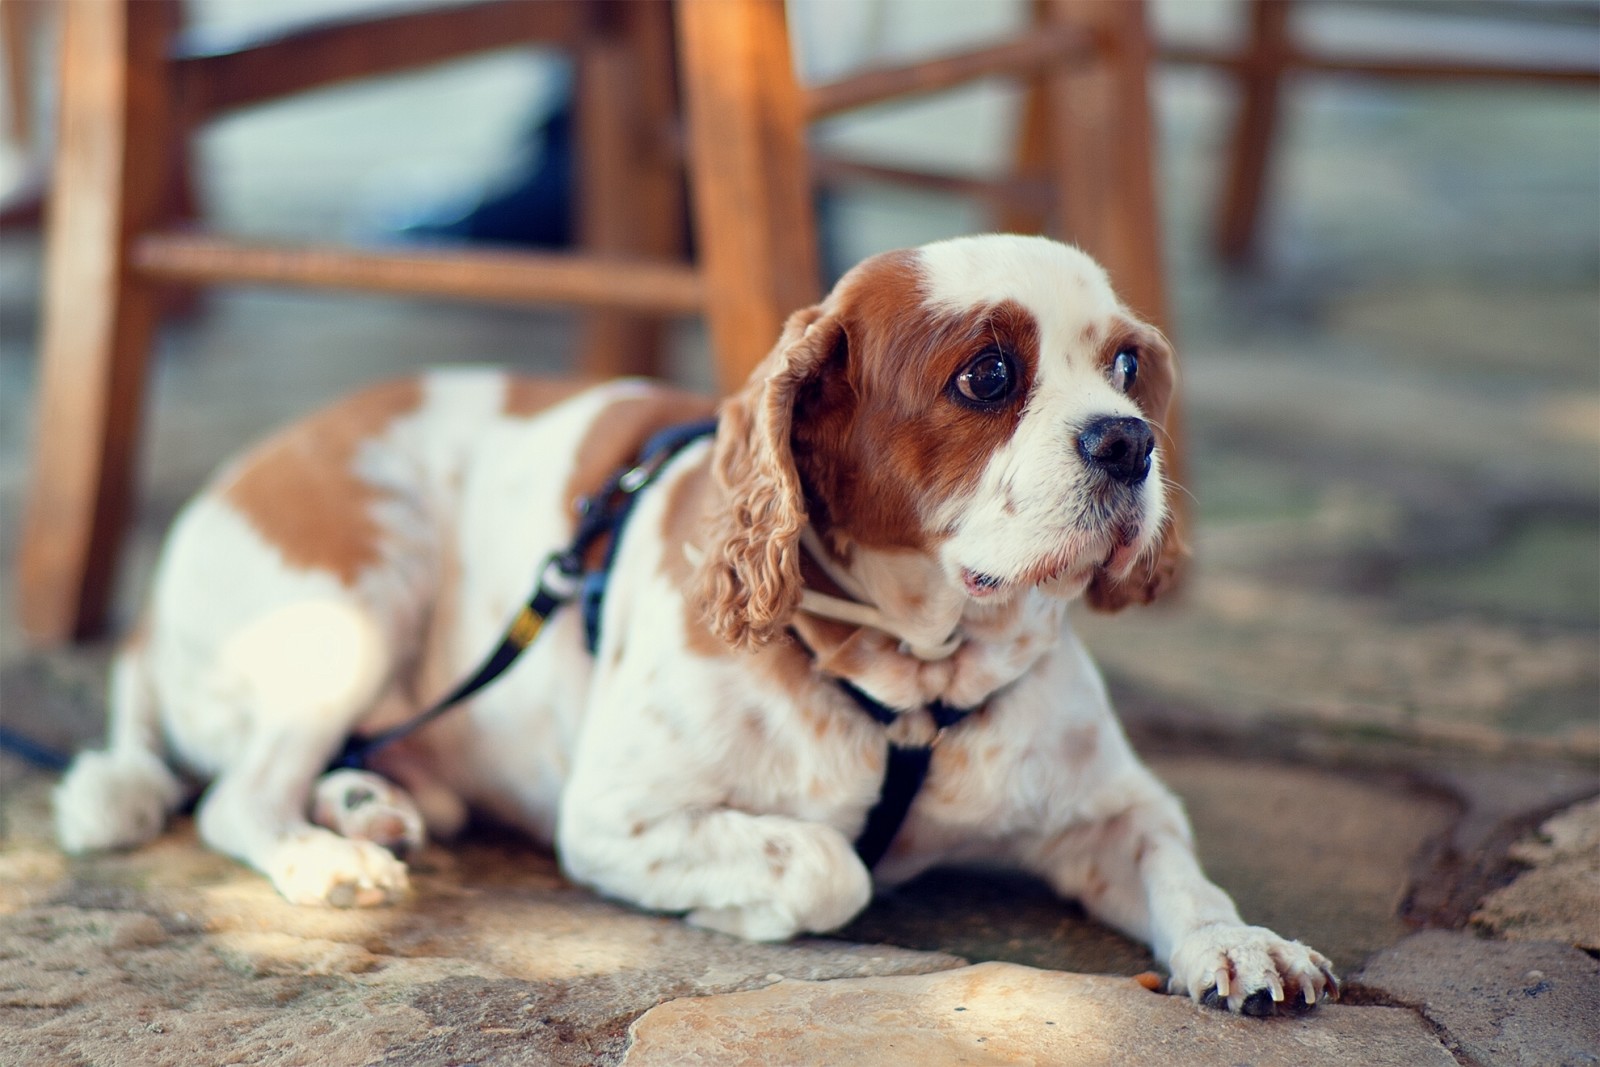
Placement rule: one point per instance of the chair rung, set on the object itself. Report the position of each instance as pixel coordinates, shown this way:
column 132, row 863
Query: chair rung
column 1419, row 68
column 515, row 277
column 217, row 74
column 1045, row 46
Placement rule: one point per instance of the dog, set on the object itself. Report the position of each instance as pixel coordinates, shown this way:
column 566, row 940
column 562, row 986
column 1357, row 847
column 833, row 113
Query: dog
column 873, row 556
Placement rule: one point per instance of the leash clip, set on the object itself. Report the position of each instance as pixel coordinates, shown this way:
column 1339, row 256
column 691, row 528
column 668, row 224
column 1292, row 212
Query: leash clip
column 561, row 575
column 634, row 478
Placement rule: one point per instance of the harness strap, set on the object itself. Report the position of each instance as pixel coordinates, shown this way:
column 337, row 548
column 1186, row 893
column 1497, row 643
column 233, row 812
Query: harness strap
column 657, row 451
column 561, row 579
column 904, row 773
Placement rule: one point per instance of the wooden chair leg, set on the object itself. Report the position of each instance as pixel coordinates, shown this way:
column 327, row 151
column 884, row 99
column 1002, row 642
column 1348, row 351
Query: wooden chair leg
column 755, row 223
column 19, row 20
column 1100, row 112
column 631, row 196
column 1260, row 84
column 99, row 319
column 1031, row 162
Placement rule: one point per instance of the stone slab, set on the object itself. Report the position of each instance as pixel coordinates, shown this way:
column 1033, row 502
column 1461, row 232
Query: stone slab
column 1495, row 1003
column 1558, row 897
column 1001, row 1013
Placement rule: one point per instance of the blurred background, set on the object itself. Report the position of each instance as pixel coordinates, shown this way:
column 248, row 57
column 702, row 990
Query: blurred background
column 1393, row 407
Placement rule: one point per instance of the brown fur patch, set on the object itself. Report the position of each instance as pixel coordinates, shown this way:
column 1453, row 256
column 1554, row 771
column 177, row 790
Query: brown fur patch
column 683, row 525
column 527, row 396
column 300, row 488
column 879, row 437
column 1153, row 391
column 620, row 431
column 1152, row 387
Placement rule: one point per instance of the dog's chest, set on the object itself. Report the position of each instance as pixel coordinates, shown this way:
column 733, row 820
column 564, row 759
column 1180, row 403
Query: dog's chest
column 818, row 756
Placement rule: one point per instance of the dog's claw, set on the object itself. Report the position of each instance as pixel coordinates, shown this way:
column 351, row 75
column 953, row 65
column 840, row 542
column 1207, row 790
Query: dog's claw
column 1222, row 985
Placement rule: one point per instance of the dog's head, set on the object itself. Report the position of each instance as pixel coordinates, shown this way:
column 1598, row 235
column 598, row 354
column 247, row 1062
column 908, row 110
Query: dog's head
column 986, row 401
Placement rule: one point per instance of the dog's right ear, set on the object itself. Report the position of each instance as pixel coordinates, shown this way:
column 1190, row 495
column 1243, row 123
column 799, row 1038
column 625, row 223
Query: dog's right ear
column 749, row 577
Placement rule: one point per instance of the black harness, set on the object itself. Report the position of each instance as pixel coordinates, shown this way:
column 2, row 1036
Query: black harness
column 563, row 579
column 906, row 770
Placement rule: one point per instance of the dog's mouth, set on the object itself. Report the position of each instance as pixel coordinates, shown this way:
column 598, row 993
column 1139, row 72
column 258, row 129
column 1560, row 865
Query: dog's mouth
column 1062, row 570
column 980, row 585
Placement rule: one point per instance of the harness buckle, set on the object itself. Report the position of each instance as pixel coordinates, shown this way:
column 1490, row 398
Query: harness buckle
column 561, row 575
column 634, row 478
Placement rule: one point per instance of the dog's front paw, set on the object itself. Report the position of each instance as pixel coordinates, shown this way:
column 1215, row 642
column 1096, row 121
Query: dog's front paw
column 367, row 807
column 1250, row 970
column 810, row 897
column 113, row 801
column 318, row 867
column 753, row 922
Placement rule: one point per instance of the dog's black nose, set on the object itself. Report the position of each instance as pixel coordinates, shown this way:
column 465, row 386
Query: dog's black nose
column 1119, row 446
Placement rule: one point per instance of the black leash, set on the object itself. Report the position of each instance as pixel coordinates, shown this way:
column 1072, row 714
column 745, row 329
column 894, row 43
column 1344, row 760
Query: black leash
column 30, row 751
column 561, row 580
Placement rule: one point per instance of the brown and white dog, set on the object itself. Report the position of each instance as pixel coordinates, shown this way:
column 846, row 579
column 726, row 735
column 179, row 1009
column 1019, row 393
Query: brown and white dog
column 930, row 465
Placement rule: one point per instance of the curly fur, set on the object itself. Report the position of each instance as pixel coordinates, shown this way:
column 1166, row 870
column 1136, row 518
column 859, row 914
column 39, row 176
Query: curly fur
column 749, row 579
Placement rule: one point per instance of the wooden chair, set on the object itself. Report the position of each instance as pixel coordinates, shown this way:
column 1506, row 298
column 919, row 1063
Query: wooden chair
column 22, row 23
column 1272, row 56
column 132, row 91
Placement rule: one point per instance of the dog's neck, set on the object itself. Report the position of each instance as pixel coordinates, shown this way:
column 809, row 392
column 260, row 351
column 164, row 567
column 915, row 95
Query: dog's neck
column 895, row 625
column 903, row 595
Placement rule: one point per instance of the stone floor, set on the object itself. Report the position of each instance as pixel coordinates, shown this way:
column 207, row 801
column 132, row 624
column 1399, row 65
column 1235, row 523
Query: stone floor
column 1379, row 696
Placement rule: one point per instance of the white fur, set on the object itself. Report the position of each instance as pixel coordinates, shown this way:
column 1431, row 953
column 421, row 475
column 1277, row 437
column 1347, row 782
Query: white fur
column 667, row 777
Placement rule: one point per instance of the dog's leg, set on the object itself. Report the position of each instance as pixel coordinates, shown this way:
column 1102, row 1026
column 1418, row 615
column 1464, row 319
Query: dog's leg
column 761, row 877
column 306, row 674
column 122, row 796
column 1137, row 871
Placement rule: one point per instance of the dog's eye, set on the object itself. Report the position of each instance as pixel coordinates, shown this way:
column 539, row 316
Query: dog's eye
column 987, row 380
column 1125, row 369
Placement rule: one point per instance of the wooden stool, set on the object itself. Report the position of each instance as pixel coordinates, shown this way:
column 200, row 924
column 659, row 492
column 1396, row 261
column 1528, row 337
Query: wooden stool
column 131, row 93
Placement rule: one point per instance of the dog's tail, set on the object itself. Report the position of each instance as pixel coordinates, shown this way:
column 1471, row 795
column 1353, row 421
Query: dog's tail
column 120, row 796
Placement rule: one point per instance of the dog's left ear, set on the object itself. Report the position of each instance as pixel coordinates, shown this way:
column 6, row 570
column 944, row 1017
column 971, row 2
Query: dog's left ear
column 1160, row 569
column 749, row 579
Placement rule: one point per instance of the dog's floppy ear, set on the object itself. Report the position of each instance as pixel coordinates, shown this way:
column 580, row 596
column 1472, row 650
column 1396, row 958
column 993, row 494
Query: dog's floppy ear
column 749, row 578
column 1161, row 568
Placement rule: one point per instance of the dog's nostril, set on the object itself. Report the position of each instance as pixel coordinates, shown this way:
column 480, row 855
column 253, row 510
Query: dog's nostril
column 1118, row 445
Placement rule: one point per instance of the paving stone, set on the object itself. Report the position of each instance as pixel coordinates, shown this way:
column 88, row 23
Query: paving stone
column 1495, row 1003
column 999, row 1013
column 494, row 958
column 1259, row 654
column 1558, row 897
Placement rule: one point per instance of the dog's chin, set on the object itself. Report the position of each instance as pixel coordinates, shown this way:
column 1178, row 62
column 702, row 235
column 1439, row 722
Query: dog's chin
column 1065, row 574
column 1055, row 575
